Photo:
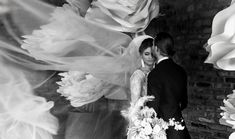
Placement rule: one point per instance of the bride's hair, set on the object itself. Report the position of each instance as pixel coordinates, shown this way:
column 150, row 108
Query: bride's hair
column 145, row 44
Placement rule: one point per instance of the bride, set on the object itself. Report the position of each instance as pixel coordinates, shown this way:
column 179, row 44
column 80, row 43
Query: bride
column 138, row 80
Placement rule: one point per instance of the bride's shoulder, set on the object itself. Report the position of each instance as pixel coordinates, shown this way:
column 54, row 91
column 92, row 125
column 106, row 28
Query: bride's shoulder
column 138, row 73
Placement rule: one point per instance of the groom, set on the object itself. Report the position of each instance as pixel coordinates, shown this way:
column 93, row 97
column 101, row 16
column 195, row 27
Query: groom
column 168, row 83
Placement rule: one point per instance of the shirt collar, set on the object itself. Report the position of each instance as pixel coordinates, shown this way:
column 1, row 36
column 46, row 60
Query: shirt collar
column 161, row 59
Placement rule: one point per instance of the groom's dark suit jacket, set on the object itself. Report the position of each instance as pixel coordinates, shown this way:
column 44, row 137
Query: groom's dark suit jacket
column 168, row 83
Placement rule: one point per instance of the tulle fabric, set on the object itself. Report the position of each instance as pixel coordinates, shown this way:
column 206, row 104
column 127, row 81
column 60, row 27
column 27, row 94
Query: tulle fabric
column 22, row 114
column 99, row 120
column 64, row 46
column 78, row 45
column 81, row 88
column 221, row 45
column 29, row 14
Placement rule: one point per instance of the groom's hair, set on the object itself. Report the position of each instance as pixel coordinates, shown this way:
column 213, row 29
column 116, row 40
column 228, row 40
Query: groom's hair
column 145, row 44
column 165, row 43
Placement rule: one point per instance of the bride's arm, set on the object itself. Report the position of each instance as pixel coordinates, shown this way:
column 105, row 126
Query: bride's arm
column 135, row 86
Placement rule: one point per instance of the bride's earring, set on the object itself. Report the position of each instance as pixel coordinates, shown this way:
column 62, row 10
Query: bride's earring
column 142, row 63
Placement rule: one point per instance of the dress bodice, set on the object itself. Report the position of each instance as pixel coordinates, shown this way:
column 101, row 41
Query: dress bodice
column 138, row 85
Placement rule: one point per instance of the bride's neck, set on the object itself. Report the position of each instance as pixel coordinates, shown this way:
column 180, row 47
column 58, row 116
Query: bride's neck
column 147, row 68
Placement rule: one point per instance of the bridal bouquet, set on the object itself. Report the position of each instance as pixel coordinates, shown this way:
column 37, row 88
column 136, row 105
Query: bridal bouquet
column 144, row 123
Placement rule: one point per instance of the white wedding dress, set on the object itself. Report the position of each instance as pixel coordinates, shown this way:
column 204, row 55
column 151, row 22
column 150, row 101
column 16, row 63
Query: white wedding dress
column 138, row 86
column 138, row 81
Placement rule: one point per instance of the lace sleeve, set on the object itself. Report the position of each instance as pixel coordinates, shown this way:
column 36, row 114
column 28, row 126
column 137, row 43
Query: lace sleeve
column 136, row 81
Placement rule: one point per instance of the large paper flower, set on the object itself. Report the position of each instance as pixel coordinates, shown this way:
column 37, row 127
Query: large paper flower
column 232, row 136
column 221, row 45
column 81, row 88
column 123, row 15
column 228, row 116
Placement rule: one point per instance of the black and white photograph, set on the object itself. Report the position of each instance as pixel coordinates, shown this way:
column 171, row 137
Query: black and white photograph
column 117, row 69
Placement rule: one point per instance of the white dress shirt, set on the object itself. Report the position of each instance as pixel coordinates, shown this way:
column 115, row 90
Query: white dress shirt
column 161, row 59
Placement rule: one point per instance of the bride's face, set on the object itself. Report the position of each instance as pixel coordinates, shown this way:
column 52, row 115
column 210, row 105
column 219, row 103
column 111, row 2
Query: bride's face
column 147, row 57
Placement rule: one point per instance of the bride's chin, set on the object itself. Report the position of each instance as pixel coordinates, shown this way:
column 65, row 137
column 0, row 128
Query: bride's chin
column 150, row 66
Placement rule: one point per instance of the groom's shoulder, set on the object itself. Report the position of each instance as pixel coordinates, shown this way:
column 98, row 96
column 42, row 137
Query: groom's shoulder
column 154, row 72
column 180, row 68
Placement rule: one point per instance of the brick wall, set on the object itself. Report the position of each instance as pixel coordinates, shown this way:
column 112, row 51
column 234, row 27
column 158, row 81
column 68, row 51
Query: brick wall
column 189, row 21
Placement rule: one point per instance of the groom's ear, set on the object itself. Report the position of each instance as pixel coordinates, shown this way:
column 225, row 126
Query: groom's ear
column 155, row 49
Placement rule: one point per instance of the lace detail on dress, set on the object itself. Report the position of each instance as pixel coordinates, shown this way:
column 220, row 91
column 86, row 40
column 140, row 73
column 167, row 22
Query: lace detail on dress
column 138, row 85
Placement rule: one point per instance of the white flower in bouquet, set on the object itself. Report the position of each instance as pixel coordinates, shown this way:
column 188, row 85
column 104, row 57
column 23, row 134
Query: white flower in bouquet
column 161, row 135
column 159, row 121
column 148, row 112
column 171, row 122
column 136, row 110
column 142, row 135
column 156, row 129
column 137, row 122
column 165, row 125
column 159, row 128
column 149, row 120
column 147, row 128
column 178, row 126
